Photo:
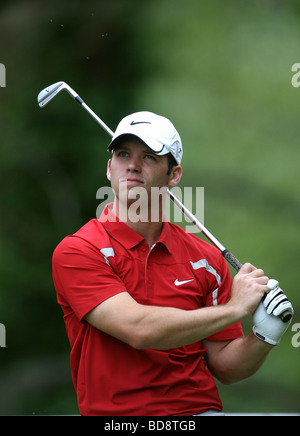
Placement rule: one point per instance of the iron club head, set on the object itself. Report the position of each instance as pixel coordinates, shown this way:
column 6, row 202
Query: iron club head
column 51, row 91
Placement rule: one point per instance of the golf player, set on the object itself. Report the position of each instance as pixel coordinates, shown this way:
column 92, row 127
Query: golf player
column 151, row 311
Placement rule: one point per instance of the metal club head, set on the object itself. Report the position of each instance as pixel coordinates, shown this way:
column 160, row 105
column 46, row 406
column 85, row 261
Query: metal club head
column 51, row 91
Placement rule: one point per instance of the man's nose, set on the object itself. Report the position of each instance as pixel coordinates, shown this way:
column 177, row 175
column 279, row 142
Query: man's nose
column 134, row 164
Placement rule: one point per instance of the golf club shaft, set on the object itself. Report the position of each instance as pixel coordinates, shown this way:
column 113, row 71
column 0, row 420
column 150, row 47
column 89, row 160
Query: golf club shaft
column 92, row 113
column 231, row 259
column 237, row 265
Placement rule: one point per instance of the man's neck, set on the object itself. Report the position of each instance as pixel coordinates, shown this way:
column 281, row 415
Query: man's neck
column 149, row 230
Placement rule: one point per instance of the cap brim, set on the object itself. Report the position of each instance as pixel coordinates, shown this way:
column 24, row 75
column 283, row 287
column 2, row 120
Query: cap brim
column 158, row 148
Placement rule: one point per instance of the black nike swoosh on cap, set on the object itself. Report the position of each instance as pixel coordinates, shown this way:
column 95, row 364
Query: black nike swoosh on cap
column 133, row 123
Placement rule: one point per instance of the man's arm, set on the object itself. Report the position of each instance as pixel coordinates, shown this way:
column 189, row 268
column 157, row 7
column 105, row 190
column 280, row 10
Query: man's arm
column 236, row 360
column 240, row 358
column 165, row 327
column 157, row 327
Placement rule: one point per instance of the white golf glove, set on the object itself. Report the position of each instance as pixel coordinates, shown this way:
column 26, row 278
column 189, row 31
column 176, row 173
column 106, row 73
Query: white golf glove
column 268, row 326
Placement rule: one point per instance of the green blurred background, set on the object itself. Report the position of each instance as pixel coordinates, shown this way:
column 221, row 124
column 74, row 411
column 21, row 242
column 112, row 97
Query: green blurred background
column 221, row 71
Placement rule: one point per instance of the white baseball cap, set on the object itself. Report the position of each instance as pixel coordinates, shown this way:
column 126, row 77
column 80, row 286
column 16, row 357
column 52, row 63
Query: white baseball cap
column 157, row 132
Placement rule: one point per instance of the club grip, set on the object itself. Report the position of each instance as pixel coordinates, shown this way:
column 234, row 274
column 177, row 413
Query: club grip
column 237, row 265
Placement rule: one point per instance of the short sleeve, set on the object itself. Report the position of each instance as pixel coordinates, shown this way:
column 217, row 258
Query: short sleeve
column 82, row 277
column 221, row 295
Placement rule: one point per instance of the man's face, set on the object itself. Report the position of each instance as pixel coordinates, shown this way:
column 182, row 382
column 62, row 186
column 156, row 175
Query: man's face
column 135, row 165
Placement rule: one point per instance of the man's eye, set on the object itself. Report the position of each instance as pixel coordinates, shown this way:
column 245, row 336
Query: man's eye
column 122, row 153
column 149, row 156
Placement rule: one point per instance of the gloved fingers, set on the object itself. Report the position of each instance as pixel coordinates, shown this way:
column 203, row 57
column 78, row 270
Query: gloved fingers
column 272, row 294
column 282, row 307
column 276, row 302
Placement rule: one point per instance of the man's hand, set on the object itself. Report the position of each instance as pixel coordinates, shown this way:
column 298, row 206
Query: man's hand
column 248, row 289
column 268, row 327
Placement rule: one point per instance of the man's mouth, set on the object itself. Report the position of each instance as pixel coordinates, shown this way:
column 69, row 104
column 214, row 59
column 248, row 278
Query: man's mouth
column 132, row 181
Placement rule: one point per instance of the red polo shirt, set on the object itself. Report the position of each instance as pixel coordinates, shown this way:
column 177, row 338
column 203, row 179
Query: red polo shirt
column 105, row 257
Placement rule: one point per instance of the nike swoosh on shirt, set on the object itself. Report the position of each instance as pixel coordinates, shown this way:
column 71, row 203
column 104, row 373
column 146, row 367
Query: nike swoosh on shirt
column 179, row 283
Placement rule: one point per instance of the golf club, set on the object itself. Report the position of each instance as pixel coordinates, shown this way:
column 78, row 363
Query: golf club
column 51, row 91
column 47, row 94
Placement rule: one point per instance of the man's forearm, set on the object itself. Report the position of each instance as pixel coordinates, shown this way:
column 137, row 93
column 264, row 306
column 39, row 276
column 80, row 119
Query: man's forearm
column 165, row 328
column 238, row 359
column 155, row 327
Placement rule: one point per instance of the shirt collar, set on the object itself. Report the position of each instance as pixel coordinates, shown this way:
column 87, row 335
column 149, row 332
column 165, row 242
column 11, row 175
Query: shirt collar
column 128, row 237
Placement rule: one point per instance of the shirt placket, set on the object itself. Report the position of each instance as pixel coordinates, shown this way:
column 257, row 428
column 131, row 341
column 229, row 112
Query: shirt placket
column 148, row 274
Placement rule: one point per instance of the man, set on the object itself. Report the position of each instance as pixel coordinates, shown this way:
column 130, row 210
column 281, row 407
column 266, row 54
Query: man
column 151, row 311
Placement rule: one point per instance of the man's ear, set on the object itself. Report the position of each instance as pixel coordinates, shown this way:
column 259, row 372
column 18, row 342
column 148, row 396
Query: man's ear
column 175, row 176
column 108, row 171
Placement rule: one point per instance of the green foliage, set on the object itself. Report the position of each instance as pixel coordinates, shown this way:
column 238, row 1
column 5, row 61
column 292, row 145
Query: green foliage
column 221, row 71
